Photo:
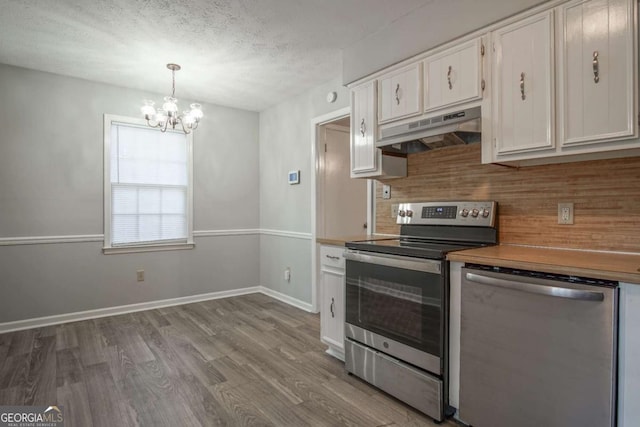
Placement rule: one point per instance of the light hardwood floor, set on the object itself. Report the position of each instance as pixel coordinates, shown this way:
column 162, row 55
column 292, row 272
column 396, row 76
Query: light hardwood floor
column 248, row 360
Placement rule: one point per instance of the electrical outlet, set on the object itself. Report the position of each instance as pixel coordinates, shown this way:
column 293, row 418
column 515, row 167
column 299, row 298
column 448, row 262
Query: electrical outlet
column 287, row 274
column 386, row 191
column 140, row 275
column 394, row 210
column 565, row 213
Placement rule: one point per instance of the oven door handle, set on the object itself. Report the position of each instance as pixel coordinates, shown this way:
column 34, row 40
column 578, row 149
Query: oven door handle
column 406, row 263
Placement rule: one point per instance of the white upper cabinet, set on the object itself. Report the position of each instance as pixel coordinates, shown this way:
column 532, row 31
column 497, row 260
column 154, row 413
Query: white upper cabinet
column 523, row 85
column 596, row 82
column 367, row 161
column 453, row 76
column 400, row 93
column 363, row 147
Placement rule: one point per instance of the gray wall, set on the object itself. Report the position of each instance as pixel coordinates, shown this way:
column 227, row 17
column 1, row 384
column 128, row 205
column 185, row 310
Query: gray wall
column 433, row 24
column 285, row 144
column 51, row 172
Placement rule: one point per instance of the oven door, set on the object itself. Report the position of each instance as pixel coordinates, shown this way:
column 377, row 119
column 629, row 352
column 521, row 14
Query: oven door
column 397, row 305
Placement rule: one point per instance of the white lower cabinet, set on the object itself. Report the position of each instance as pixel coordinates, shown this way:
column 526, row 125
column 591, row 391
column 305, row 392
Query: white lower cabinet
column 629, row 356
column 332, row 308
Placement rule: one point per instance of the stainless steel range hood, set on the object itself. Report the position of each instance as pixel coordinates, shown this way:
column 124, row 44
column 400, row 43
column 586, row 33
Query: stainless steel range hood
column 460, row 127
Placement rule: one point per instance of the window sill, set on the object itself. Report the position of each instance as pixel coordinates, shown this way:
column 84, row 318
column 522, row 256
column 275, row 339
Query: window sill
column 147, row 248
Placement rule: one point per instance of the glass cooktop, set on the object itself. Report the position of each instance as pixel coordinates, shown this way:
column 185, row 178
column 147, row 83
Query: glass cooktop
column 411, row 246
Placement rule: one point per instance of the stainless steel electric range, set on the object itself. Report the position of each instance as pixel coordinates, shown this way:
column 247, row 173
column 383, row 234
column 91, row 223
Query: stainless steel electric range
column 397, row 300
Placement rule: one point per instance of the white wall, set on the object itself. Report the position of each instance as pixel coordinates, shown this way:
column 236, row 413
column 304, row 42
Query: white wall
column 51, row 167
column 435, row 23
column 285, row 144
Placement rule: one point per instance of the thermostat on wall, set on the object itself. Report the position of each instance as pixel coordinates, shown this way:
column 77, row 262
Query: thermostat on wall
column 294, row 177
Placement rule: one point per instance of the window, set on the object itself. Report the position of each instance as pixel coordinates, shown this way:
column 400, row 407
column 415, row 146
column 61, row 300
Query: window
column 148, row 187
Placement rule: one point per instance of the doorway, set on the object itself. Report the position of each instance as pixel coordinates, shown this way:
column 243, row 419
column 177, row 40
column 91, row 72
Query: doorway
column 341, row 200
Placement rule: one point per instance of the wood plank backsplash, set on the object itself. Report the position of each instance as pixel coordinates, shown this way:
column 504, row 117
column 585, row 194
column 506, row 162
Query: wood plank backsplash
column 605, row 193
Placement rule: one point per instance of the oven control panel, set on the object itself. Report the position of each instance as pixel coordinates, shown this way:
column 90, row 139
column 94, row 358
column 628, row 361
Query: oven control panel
column 469, row 213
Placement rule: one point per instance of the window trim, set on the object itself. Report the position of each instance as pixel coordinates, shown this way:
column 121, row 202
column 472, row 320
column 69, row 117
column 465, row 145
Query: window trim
column 107, row 248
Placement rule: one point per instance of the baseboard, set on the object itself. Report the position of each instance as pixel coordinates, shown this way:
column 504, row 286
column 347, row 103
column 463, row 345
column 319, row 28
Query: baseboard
column 335, row 353
column 287, row 299
column 39, row 322
column 122, row 309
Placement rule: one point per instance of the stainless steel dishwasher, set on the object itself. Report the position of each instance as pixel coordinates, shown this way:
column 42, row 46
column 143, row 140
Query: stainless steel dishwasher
column 537, row 349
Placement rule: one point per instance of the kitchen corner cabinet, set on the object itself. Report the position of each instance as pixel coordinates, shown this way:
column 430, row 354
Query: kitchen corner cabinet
column 453, row 76
column 367, row 161
column 629, row 356
column 400, row 93
column 597, row 79
column 332, row 302
column 523, row 85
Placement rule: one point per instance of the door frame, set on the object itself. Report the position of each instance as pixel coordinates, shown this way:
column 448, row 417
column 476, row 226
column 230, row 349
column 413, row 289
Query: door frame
column 316, row 122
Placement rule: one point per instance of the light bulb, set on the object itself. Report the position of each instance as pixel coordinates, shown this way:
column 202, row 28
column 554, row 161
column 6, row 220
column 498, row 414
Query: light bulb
column 148, row 109
column 196, row 111
column 170, row 105
column 161, row 116
column 188, row 119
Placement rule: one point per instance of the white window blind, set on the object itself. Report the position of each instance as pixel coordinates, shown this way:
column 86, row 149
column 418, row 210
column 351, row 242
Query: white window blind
column 149, row 185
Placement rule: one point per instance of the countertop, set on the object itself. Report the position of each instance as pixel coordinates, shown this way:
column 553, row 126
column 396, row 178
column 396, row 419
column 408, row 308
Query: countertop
column 341, row 240
column 599, row 265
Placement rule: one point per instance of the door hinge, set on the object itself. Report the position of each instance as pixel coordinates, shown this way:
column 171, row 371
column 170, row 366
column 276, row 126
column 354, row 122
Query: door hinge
column 482, row 49
column 482, row 85
column 494, row 47
column 325, row 148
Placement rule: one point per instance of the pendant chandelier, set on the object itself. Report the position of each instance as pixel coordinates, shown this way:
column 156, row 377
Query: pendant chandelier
column 168, row 115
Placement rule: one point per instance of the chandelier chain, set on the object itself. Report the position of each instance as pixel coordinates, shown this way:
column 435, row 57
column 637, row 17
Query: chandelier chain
column 173, row 86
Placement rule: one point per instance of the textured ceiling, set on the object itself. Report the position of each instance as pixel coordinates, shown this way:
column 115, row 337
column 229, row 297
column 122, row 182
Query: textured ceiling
column 248, row 54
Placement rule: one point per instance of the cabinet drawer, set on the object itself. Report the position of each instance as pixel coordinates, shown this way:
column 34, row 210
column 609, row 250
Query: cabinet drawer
column 332, row 256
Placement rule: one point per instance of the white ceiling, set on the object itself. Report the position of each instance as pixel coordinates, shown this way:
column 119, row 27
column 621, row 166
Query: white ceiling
column 248, row 54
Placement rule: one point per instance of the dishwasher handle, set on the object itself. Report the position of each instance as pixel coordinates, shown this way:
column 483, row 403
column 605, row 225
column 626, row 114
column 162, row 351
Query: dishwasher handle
column 532, row 288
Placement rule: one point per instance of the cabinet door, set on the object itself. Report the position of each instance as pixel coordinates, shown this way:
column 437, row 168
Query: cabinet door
column 597, row 60
column 523, row 86
column 332, row 308
column 400, row 93
column 454, row 76
column 363, row 148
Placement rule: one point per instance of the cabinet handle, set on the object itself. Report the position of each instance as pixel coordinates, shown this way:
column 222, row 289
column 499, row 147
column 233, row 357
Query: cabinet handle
column 449, row 78
column 363, row 128
column 522, row 86
column 596, row 67
column 331, row 308
column 398, row 94
column 333, row 257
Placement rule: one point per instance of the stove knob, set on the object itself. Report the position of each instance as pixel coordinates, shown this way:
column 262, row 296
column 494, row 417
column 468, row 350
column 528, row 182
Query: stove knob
column 409, row 213
column 485, row 213
column 464, row 212
column 401, row 213
column 474, row 213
